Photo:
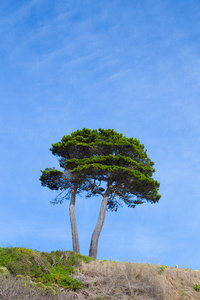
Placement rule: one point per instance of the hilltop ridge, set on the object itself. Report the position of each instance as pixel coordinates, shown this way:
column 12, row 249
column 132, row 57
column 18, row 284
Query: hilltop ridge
column 64, row 275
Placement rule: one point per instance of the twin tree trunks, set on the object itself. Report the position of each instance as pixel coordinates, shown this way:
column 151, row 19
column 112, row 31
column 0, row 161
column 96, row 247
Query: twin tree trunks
column 97, row 230
column 93, row 159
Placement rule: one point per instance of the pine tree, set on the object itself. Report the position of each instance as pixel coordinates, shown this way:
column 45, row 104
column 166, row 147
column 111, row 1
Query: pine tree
column 103, row 162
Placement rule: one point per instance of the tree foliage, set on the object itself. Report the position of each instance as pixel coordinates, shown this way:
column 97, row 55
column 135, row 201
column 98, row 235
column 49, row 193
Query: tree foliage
column 98, row 156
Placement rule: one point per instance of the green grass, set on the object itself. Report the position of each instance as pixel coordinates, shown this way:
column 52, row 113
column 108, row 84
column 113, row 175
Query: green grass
column 196, row 287
column 47, row 268
column 162, row 268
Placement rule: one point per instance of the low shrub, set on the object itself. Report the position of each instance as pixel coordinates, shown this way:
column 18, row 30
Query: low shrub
column 196, row 287
column 4, row 272
column 47, row 268
column 161, row 269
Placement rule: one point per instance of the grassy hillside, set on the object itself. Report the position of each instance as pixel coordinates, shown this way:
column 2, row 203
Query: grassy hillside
column 28, row 274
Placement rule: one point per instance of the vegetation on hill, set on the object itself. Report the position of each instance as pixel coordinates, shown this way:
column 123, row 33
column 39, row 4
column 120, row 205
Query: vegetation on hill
column 46, row 268
column 64, row 275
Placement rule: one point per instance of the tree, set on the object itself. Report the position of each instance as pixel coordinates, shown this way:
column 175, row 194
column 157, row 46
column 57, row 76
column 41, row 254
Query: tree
column 104, row 162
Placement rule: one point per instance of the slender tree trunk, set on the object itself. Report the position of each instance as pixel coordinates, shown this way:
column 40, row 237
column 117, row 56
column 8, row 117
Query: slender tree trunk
column 73, row 221
column 99, row 225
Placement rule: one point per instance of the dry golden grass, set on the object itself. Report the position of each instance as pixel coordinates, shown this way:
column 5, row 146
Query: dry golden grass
column 125, row 281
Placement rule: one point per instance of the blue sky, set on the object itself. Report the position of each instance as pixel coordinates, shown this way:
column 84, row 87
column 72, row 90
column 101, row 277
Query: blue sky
column 132, row 66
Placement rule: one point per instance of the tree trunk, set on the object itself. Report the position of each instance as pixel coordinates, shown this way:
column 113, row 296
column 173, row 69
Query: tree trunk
column 73, row 221
column 99, row 225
